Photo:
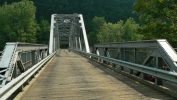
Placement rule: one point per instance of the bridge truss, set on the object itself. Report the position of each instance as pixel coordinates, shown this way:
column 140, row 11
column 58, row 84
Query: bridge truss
column 155, row 54
column 140, row 60
column 68, row 29
column 21, row 61
column 19, row 57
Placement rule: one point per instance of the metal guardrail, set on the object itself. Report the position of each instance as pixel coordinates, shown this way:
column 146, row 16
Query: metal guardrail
column 151, row 54
column 142, row 52
column 12, row 86
column 17, row 57
column 166, row 75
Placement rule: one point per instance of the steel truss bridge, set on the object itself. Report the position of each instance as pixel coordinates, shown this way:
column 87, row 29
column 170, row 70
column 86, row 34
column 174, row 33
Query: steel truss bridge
column 118, row 71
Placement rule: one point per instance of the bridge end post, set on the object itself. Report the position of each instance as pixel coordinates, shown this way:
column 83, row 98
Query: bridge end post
column 84, row 33
column 51, row 44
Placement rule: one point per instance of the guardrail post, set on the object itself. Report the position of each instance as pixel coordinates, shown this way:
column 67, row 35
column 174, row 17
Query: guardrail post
column 113, row 65
column 130, row 71
column 21, row 88
column 144, row 76
column 158, row 81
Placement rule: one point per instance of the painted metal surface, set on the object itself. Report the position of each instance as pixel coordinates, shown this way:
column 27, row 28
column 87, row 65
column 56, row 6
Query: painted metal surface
column 157, row 49
column 51, row 33
column 168, row 54
column 170, row 76
column 7, row 55
column 70, row 76
column 67, row 31
column 84, row 33
column 70, row 29
column 11, row 87
column 17, row 58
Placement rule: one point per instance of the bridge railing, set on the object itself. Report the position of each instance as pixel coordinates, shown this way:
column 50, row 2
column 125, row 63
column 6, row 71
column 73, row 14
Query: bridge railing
column 24, row 78
column 154, row 55
column 17, row 57
column 19, row 63
column 163, row 74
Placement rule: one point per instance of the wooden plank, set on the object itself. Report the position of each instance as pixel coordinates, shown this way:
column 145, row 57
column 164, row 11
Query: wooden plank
column 71, row 77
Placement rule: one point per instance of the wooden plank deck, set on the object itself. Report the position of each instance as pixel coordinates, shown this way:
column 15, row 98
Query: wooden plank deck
column 71, row 77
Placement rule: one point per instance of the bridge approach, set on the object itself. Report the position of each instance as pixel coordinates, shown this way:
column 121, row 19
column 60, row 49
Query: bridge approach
column 69, row 76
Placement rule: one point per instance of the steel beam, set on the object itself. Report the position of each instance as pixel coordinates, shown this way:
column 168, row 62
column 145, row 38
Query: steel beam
column 19, row 56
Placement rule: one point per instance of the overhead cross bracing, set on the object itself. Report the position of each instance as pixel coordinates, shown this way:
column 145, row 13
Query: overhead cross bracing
column 68, row 68
column 69, row 28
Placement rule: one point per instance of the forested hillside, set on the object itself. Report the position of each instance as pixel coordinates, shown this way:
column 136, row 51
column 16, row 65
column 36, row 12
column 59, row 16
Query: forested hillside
column 105, row 20
column 112, row 10
column 13, row 31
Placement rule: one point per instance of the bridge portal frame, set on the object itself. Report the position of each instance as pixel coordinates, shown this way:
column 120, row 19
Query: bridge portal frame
column 68, row 27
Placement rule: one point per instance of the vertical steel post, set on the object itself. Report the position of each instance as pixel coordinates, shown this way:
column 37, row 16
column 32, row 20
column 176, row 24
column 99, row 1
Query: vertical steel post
column 122, row 56
column 159, row 61
column 58, row 41
column 80, row 43
column 33, row 56
column 105, row 54
column 130, row 70
column 15, row 72
column 54, row 46
column 51, row 33
column 76, row 43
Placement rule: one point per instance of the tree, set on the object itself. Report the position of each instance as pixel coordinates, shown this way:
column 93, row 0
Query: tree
column 119, row 32
column 112, row 11
column 17, row 22
column 43, row 32
column 131, row 31
column 158, row 19
column 97, row 22
column 111, row 32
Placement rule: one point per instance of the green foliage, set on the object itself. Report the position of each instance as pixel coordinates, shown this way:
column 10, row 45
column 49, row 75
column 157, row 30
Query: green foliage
column 43, row 32
column 131, row 31
column 112, row 11
column 97, row 22
column 119, row 32
column 158, row 19
column 17, row 22
column 111, row 32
